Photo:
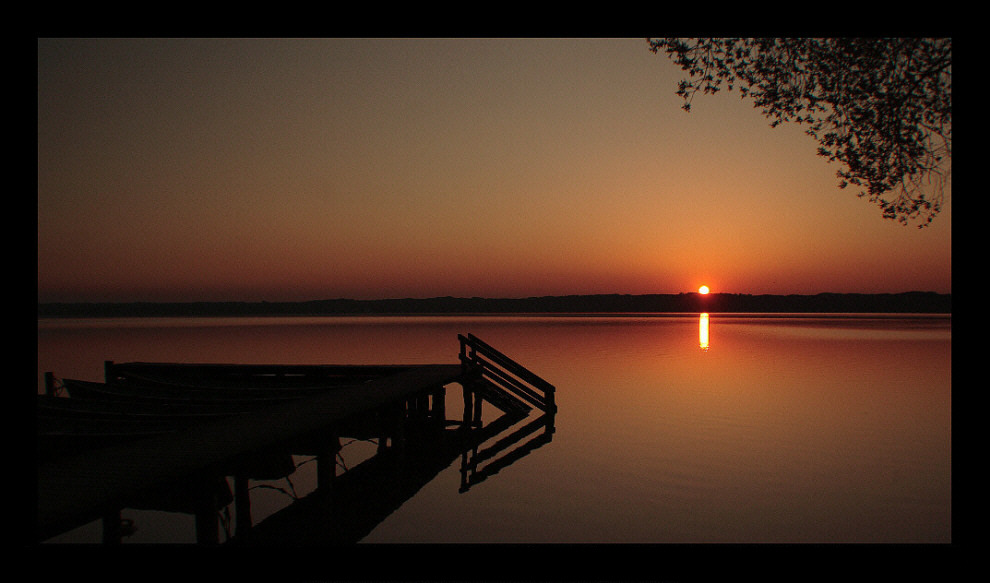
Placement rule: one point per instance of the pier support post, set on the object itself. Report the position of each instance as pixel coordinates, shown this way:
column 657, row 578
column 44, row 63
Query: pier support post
column 242, row 505
column 111, row 528
column 207, row 522
column 392, row 427
column 472, row 404
column 382, row 435
column 326, row 464
column 468, row 409
column 477, row 411
column 440, row 403
column 423, row 406
column 438, row 408
column 399, row 427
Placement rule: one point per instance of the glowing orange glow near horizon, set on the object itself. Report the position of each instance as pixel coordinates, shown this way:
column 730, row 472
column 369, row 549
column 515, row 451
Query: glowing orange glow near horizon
column 307, row 169
column 703, row 290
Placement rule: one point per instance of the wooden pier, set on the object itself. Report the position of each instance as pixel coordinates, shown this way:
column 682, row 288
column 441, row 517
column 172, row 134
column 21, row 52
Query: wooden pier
column 402, row 406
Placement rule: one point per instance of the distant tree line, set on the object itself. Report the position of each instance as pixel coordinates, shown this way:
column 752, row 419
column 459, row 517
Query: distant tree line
column 910, row 302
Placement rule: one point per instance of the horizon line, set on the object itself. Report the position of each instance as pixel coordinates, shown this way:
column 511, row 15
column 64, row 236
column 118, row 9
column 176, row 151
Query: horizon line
column 495, row 298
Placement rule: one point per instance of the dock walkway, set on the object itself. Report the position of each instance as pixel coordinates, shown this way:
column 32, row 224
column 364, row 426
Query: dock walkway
column 86, row 487
column 299, row 410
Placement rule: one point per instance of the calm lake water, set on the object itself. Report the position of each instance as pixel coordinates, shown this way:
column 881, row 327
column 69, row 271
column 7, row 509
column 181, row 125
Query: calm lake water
column 671, row 428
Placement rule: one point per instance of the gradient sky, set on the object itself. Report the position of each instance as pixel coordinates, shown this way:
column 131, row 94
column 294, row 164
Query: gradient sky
column 292, row 169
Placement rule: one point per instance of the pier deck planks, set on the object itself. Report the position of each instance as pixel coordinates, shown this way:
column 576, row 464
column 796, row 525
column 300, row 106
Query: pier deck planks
column 80, row 489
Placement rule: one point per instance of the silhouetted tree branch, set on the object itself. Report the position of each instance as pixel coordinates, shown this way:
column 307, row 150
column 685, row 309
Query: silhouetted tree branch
column 881, row 107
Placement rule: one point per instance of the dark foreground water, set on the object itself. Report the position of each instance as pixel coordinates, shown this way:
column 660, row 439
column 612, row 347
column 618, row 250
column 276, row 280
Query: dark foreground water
column 684, row 429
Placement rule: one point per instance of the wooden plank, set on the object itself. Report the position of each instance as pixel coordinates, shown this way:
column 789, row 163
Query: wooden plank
column 83, row 488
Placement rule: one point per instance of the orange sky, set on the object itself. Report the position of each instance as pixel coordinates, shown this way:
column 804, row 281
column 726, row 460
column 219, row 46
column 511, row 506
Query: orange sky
column 189, row 170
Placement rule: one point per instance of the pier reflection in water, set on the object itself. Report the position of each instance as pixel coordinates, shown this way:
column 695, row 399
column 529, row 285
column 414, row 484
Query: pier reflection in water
column 412, row 437
column 351, row 504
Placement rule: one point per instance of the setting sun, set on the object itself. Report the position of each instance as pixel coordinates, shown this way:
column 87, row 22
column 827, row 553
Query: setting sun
column 703, row 289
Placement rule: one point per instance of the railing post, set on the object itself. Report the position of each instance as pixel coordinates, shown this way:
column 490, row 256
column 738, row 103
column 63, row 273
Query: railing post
column 476, row 418
column 463, row 353
column 468, row 390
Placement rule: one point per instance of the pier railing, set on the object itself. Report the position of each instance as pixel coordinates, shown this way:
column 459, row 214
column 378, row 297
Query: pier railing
column 506, row 373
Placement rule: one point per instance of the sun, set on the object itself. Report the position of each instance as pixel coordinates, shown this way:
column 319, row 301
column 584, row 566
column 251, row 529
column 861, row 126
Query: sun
column 703, row 289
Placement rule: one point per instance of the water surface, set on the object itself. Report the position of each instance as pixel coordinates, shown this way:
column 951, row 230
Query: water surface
column 671, row 428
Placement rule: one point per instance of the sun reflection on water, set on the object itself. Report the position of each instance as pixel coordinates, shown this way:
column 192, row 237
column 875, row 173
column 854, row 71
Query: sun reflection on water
column 703, row 332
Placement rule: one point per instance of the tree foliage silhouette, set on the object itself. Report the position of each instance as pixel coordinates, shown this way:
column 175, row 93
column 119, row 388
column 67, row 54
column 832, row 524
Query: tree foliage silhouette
column 880, row 107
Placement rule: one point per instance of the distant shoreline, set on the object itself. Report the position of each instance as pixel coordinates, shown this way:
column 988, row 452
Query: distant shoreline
column 907, row 302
